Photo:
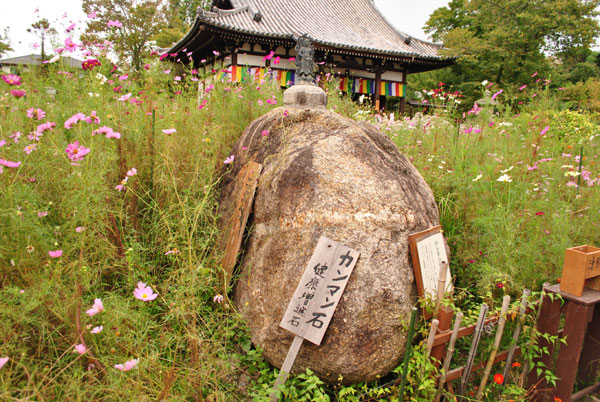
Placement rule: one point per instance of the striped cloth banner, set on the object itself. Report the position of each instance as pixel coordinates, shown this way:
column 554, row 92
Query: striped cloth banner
column 243, row 73
column 389, row 88
column 367, row 86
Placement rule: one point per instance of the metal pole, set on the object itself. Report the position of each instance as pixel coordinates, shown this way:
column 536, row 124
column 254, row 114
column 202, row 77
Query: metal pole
column 407, row 353
column 474, row 345
column 499, row 332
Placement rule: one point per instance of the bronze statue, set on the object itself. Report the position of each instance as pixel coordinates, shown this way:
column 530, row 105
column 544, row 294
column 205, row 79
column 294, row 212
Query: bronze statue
column 305, row 55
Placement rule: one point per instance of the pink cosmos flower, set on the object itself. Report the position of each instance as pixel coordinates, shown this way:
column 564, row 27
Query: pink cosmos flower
column 108, row 132
column 144, row 293
column 71, row 27
column 9, row 164
column 3, row 361
column 276, row 60
column 45, row 126
column 169, row 131
column 121, row 186
column 12, row 79
column 80, row 348
column 496, row 94
column 123, row 77
column 96, row 308
column 204, row 102
column 129, row 364
column 115, row 23
column 534, row 74
column 522, row 87
column 124, row 98
column 174, row 251
column 70, row 46
column 76, row 152
column 17, row 93
column 97, row 330
column 265, row 133
column 37, row 114
column 269, row 56
column 229, row 159
column 218, row 298
column 2, row 143
column 92, row 118
column 59, row 50
column 132, row 172
column 544, row 130
column 71, row 121
column 30, row 148
column 42, row 214
column 147, row 66
column 92, row 15
column 55, row 253
column 79, row 229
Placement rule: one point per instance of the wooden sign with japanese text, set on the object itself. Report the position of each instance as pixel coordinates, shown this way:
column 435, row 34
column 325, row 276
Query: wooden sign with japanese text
column 428, row 250
column 319, row 291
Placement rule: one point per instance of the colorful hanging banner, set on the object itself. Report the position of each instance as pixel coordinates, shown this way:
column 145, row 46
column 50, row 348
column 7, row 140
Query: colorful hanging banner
column 367, row 86
column 243, row 73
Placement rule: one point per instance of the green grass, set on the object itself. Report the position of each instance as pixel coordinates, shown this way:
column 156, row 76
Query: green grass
column 189, row 347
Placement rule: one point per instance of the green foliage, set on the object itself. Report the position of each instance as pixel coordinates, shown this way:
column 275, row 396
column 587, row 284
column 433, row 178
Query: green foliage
column 142, row 21
column 507, row 41
column 4, row 43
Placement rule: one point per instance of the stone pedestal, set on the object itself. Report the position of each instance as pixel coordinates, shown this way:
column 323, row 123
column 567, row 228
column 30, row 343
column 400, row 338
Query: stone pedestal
column 305, row 97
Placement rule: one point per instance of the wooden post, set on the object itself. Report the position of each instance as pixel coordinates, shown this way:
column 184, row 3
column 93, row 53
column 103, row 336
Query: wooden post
column 577, row 318
column 441, row 286
column 449, row 354
column 286, row 367
column 588, row 364
column 547, row 323
column 445, row 321
column 403, row 98
column 377, row 95
column 432, row 332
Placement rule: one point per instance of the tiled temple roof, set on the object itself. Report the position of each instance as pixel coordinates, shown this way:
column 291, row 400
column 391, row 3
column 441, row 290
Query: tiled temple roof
column 352, row 25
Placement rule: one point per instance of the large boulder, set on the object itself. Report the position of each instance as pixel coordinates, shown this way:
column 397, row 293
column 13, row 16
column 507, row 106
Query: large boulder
column 324, row 174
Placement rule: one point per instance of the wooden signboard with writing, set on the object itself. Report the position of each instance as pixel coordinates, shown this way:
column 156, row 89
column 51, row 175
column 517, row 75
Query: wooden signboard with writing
column 246, row 183
column 581, row 269
column 316, row 297
column 428, row 251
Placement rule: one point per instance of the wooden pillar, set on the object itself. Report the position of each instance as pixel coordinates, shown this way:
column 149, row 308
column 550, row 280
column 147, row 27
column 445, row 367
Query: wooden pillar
column 403, row 98
column 548, row 323
column 445, row 315
column 591, row 350
column 377, row 90
column 234, row 57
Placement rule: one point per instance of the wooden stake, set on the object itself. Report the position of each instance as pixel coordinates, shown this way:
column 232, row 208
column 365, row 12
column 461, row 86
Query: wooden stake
column 499, row 332
column 441, row 286
column 516, row 334
column 474, row 345
column 431, row 338
column 407, row 353
column 449, row 354
column 287, row 366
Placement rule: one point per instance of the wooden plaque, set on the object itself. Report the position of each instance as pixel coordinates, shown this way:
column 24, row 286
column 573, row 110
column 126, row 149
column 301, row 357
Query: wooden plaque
column 247, row 181
column 427, row 250
column 319, row 291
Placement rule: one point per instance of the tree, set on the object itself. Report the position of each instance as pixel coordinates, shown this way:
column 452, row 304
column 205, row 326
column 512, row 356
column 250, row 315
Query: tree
column 4, row 43
column 505, row 41
column 42, row 30
column 137, row 22
column 187, row 9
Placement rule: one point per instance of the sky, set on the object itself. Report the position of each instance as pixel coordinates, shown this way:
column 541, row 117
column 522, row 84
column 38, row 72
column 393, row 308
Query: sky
column 408, row 16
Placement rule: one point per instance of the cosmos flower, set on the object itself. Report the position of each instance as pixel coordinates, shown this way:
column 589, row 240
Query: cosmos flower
column 80, row 348
column 3, row 361
column 76, row 152
column 17, row 93
column 12, row 79
column 55, row 253
column 96, row 308
column 34, row 113
column 129, row 364
column 144, row 293
column 169, row 131
column 96, row 330
column 229, row 159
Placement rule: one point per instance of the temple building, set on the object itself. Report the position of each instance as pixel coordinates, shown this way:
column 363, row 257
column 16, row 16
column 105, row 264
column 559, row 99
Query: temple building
column 351, row 39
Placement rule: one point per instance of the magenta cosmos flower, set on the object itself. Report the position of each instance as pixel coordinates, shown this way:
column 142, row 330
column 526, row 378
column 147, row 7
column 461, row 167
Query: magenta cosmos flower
column 129, row 364
column 144, row 293
column 9, row 164
column 17, row 93
column 96, row 308
column 76, row 152
column 12, row 79
column 70, row 122
column 55, row 253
